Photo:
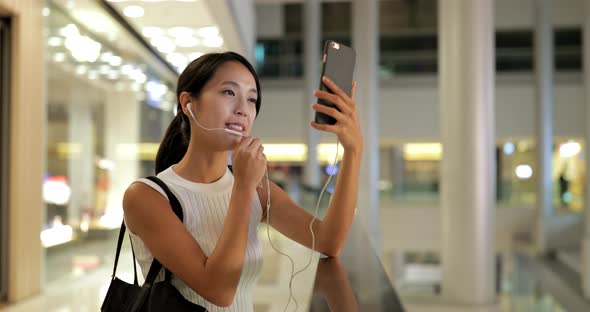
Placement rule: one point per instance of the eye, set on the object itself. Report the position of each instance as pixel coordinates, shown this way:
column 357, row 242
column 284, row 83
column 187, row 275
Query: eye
column 229, row 92
column 253, row 100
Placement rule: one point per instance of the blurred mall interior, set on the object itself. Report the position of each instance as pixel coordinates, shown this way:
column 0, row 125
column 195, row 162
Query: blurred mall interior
column 475, row 118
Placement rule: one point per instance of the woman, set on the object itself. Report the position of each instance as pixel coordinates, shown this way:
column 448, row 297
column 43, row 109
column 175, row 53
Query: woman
column 215, row 255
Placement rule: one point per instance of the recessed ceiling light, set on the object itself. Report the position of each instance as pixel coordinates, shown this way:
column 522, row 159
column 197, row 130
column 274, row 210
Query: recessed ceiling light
column 163, row 44
column 177, row 59
column 59, row 57
column 55, row 41
column 194, row 55
column 213, row 42
column 133, row 11
column 152, row 31
column 186, row 42
column 208, row 31
column 180, row 32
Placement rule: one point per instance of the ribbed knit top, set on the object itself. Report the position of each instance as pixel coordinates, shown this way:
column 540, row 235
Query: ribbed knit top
column 205, row 207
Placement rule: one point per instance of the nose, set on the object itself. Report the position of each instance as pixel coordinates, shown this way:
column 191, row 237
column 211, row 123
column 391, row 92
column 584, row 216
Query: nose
column 241, row 108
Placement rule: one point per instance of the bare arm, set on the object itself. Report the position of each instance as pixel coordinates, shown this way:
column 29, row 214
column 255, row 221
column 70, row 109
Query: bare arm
column 331, row 232
column 149, row 215
column 216, row 277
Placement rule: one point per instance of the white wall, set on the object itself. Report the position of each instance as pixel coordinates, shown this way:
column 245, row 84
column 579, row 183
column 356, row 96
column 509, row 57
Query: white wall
column 409, row 109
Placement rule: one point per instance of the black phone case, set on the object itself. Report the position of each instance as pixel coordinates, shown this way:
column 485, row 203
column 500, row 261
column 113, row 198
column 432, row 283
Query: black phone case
column 338, row 65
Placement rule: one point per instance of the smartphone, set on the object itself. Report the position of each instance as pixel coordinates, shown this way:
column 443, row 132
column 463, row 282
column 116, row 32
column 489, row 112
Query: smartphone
column 338, row 65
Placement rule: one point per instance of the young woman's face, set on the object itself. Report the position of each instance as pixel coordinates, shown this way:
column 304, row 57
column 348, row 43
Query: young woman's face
column 228, row 100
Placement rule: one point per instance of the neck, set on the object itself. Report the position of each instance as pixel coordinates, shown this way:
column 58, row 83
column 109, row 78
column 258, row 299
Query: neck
column 202, row 166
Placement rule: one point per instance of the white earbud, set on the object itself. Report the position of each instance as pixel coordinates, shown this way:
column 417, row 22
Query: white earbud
column 190, row 111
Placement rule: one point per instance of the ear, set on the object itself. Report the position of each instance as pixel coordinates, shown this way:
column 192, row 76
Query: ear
column 184, row 99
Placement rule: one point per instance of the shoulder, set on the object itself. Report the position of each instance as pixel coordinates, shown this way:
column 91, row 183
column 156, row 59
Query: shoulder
column 143, row 203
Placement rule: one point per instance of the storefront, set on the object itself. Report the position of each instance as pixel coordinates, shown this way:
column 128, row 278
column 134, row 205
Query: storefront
column 109, row 98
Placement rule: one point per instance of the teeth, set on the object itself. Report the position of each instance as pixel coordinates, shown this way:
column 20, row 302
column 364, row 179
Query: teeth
column 235, row 127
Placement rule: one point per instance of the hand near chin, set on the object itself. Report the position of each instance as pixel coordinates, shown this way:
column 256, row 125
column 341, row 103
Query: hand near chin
column 249, row 162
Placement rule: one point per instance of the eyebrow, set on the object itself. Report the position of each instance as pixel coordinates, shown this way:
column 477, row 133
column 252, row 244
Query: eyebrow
column 235, row 84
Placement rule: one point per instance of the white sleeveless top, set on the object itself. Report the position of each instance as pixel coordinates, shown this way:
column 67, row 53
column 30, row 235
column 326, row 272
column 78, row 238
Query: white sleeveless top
column 205, row 207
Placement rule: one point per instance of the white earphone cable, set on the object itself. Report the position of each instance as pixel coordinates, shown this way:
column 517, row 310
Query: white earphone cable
column 331, row 174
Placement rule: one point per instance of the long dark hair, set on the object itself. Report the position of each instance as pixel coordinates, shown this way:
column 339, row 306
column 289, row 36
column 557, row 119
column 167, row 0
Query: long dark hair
column 192, row 80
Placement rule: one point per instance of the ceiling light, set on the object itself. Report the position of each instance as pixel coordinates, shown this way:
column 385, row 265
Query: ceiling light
column 524, row 172
column 69, row 30
column 163, row 44
column 92, row 75
column 106, row 57
column 569, row 149
column 176, row 59
column 81, row 69
column 152, row 0
column 104, row 69
column 83, row 49
column 186, row 0
column 187, row 42
column 133, row 11
column 113, row 75
column 213, row 42
column 59, row 57
column 194, row 55
column 151, row 31
column 209, row 31
column 180, row 32
column 115, row 60
column 54, row 41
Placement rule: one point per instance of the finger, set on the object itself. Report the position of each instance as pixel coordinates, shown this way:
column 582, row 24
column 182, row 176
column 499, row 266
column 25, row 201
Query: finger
column 330, row 111
column 243, row 144
column 324, row 127
column 334, row 99
column 336, row 89
column 254, row 144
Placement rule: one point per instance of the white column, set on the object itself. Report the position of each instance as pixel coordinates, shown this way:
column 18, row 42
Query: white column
column 543, row 116
column 81, row 163
column 122, row 122
column 585, row 267
column 466, row 88
column 366, row 43
column 312, row 72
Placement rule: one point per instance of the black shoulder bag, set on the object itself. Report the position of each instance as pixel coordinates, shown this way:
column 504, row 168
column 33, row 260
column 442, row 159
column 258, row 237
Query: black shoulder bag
column 151, row 297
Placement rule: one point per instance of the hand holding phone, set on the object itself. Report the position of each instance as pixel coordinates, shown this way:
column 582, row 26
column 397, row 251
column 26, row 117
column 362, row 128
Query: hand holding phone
column 338, row 65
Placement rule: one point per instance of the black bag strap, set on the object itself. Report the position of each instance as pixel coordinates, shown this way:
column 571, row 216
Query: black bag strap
column 119, row 244
column 177, row 208
column 135, row 282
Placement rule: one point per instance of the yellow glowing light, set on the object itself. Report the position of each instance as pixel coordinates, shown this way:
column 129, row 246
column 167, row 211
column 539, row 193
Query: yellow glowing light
column 67, row 150
column 422, row 151
column 327, row 152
